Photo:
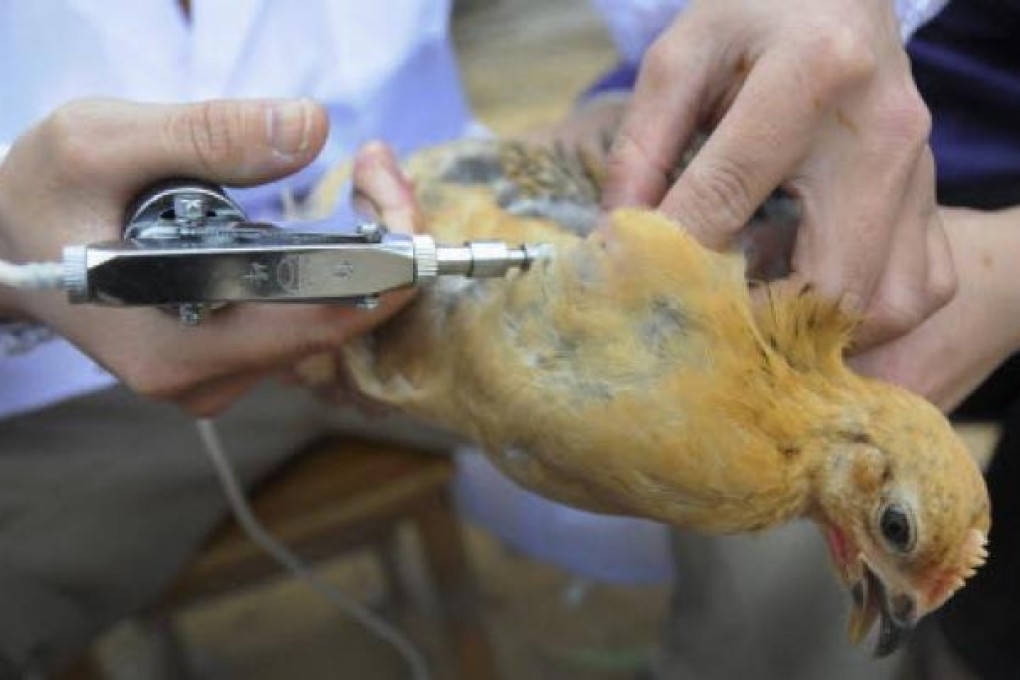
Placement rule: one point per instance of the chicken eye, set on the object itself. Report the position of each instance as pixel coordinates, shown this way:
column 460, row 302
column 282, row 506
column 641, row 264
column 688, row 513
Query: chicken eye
column 896, row 528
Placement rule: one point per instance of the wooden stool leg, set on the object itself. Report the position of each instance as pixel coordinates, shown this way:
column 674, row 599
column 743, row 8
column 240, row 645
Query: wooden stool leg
column 165, row 645
column 86, row 667
column 155, row 642
column 387, row 552
column 447, row 558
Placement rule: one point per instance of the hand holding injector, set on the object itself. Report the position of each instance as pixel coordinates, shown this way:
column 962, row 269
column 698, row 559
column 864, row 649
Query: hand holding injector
column 188, row 245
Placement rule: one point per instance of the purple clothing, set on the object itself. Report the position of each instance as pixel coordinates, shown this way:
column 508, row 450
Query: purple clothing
column 620, row 78
column 967, row 67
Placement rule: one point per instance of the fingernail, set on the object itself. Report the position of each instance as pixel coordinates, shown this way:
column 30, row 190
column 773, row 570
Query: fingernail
column 287, row 126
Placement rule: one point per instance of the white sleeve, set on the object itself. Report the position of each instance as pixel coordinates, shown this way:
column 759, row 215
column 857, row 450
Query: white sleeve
column 634, row 24
column 916, row 13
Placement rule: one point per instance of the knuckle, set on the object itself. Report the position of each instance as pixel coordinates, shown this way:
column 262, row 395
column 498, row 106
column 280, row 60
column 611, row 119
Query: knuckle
column 660, row 63
column 942, row 286
column 720, row 192
column 837, row 58
column 905, row 116
column 629, row 151
column 633, row 175
column 213, row 131
column 898, row 312
column 72, row 133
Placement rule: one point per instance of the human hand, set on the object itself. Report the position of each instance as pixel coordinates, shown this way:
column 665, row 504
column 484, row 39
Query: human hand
column 952, row 352
column 382, row 193
column 588, row 130
column 69, row 179
column 814, row 95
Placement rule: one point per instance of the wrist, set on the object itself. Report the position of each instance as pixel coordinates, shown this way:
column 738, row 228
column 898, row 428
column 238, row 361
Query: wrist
column 1008, row 227
column 986, row 247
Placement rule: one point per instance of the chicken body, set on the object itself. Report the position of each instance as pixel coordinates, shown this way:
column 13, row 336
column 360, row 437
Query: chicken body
column 631, row 374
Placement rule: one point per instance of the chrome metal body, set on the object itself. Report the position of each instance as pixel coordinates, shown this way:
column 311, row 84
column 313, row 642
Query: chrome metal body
column 187, row 245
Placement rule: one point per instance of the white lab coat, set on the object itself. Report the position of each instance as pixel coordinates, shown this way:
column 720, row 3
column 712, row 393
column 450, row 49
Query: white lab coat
column 383, row 69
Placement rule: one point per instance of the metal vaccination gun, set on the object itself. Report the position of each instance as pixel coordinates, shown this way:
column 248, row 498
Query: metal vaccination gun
column 189, row 247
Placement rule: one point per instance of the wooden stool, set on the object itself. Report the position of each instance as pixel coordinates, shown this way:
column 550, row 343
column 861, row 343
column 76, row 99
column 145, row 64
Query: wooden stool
column 340, row 494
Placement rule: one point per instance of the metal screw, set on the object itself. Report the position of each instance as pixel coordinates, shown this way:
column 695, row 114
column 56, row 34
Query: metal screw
column 367, row 302
column 371, row 232
column 191, row 313
column 190, row 207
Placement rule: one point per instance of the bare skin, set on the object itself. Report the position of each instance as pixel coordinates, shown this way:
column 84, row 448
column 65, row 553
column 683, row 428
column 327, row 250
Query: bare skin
column 953, row 351
column 814, row 95
column 68, row 180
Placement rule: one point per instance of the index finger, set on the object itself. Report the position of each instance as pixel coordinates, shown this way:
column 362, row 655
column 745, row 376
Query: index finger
column 661, row 119
column 759, row 142
column 378, row 180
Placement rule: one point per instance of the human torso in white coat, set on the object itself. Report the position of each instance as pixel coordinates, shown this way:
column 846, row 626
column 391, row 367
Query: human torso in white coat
column 383, row 70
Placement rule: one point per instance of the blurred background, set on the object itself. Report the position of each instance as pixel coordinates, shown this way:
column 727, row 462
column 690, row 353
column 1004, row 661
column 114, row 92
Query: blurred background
column 524, row 62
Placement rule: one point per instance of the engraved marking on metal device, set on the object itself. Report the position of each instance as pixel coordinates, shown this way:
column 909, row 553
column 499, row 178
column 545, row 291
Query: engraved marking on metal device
column 344, row 269
column 257, row 273
column 288, row 273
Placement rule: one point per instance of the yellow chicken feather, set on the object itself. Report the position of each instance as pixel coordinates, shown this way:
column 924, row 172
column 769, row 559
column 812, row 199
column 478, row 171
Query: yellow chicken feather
column 631, row 373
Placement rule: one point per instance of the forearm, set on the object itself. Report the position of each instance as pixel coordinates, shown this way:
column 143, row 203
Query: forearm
column 986, row 249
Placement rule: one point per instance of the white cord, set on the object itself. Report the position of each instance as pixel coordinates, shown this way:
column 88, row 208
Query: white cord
column 32, row 275
column 261, row 537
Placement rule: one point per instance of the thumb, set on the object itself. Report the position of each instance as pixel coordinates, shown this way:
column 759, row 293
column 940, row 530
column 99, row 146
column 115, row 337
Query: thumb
column 234, row 142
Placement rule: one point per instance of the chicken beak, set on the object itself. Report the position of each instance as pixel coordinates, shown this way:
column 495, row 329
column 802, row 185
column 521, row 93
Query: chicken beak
column 872, row 600
column 865, row 607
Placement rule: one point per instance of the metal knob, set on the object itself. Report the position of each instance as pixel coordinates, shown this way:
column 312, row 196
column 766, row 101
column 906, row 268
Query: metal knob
column 76, row 273
column 426, row 259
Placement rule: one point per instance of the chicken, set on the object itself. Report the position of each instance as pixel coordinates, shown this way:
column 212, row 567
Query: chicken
column 631, row 373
